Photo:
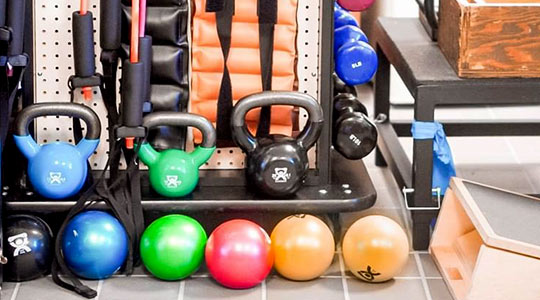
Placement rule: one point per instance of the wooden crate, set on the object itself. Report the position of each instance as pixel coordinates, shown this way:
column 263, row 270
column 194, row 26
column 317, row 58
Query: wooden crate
column 487, row 243
column 491, row 38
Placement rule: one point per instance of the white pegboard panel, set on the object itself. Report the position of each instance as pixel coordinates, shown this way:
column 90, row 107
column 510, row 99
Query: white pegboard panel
column 53, row 64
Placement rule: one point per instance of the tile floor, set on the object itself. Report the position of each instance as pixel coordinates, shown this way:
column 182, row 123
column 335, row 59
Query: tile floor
column 511, row 163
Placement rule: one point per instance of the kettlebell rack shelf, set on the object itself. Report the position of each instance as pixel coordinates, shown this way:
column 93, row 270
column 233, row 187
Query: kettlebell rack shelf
column 351, row 190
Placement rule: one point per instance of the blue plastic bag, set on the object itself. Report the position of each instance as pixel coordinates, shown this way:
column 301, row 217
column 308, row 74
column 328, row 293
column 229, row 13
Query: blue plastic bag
column 443, row 162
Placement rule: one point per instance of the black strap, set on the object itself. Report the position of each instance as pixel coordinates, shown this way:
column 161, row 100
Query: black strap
column 267, row 12
column 121, row 192
column 224, row 13
column 100, row 191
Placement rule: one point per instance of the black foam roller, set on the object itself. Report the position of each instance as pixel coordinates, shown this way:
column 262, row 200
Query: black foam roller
column 15, row 20
column 110, row 24
column 3, row 12
column 132, row 93
column 145, row 56
column 83, row 44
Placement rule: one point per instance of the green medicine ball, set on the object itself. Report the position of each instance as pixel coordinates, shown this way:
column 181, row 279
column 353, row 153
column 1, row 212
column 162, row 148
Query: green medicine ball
column 172, row 247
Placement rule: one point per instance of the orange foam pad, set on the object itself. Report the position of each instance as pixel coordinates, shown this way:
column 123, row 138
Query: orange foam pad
column 243, row 62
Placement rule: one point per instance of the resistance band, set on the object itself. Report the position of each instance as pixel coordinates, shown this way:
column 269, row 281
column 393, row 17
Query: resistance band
column 224, row 10
column 443, row 163
column 120, row 193
column 267, row 12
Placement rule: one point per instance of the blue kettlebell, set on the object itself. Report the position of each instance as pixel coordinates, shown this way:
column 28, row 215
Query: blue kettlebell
column 57, row 170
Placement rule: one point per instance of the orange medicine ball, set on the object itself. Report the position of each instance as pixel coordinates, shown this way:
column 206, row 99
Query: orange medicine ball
column 303, row 247
column 375, row 248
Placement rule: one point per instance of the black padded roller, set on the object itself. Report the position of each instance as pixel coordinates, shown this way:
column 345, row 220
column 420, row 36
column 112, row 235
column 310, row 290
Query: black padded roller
column 132, row 93
column 145, row 56
column 110, row 24
column 83, row 44
column 15, row 20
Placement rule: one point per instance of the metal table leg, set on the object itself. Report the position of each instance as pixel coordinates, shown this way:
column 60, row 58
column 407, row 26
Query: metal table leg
column 382, row 95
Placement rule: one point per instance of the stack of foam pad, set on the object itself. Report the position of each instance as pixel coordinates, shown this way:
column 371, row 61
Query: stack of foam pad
column 243, row 61
column 167, row 23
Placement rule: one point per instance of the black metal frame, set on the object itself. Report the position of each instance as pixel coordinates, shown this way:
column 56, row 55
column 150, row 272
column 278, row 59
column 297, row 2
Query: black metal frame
column 432, row 82
column 346, row 187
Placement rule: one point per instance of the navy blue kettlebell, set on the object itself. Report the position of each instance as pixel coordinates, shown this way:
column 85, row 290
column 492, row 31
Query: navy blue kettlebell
column 57, row 170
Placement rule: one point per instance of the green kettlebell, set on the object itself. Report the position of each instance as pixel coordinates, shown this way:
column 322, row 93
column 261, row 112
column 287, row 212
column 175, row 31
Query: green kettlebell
column 173, row 172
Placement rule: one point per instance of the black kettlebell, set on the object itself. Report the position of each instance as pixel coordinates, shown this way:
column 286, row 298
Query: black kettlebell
column 28, row 247
column 277, row 164
column 354, row 134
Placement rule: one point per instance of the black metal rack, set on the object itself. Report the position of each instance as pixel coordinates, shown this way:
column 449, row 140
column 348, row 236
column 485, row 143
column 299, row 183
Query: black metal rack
column 336, row 185
column 404, row 44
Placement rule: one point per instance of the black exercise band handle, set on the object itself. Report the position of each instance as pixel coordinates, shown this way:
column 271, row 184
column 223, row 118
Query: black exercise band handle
column 59, row 109
column 110, row 13
column 83, row 44
column 133, row 93
column 307, row 137
column 183, row 119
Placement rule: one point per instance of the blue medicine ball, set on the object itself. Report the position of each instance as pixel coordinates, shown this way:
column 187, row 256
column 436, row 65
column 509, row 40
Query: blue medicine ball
column 94, row 245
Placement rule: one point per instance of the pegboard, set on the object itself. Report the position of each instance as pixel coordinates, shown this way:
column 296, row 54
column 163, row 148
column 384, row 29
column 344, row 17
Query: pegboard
column 53, row 65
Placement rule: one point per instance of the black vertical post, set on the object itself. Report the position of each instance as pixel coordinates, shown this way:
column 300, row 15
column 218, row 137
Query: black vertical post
column 326, row 61
column 424, row 110
column 382, row 94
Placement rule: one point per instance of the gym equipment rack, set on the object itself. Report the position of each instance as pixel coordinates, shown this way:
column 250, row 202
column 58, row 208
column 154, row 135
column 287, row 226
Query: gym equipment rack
column 333, row 185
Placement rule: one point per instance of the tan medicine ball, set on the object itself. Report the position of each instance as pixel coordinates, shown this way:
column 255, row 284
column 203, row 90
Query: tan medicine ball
column 303, row 247
column 375, row 248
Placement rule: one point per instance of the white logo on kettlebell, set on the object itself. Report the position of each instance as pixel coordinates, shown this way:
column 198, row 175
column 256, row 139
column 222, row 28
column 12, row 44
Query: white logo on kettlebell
column 20, row 243
column 281, row 175
column 357, row 64
column 56, row 178
column 172, row 181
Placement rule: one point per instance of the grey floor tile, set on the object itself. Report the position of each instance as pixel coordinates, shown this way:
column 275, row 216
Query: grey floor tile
column 390, row 290
column 45, row 288
column 134, row 288
column 430, row 269
column 526, row 148
column 389, row 198
column 438, row 290
column 7, row 290
column 208, row 289
column 513, row 112
column 319, row 289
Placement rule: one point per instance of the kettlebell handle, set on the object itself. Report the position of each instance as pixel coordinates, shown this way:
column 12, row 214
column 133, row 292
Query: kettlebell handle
column 183, row 119
column 59, row 109
column 307, row 137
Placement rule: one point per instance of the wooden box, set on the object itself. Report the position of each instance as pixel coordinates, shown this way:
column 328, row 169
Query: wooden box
column 491, row 38
column 487, row 243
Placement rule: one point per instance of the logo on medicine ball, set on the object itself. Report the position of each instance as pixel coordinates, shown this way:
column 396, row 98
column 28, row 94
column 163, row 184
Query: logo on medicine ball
column 299, row 216
column 20, row 243
column 369, row 274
